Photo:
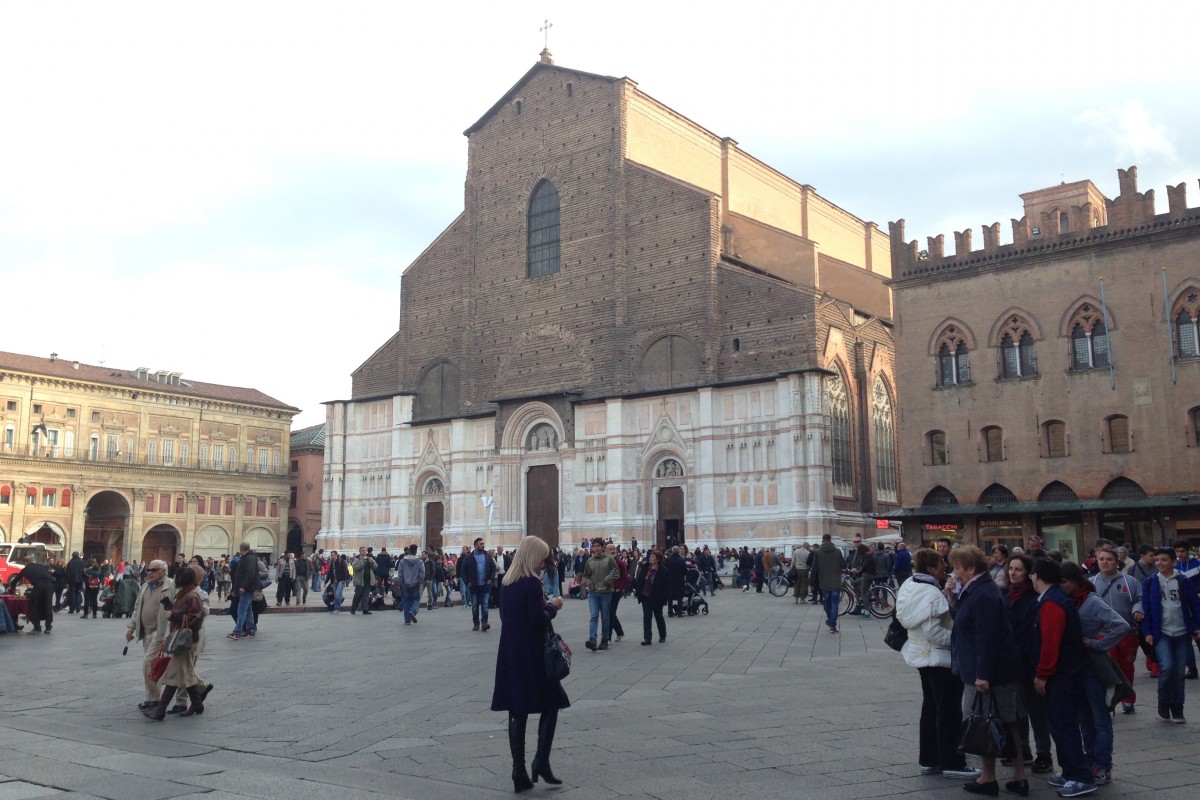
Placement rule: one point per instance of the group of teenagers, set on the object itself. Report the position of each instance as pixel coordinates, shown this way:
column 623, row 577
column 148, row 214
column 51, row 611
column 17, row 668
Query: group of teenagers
column 1045, row 645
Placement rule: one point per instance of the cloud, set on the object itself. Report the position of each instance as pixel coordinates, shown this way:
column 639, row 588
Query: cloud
column 1128, row 131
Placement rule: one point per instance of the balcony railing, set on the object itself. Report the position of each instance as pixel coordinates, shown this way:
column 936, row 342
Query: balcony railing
column 114, row 459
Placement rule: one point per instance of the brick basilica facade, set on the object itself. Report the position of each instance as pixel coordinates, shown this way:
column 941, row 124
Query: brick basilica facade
column 633, row 330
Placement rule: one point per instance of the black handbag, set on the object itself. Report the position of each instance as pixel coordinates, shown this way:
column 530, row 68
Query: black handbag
column 896, row 635
column 556, row 656
column 983, row 733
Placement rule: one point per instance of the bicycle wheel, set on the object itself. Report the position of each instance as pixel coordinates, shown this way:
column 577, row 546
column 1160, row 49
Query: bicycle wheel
column 882, row 602
column 845, row 602
column 778, row 586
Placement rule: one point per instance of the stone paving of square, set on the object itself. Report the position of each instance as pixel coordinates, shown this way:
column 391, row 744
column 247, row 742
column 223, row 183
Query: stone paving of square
column 755, row 700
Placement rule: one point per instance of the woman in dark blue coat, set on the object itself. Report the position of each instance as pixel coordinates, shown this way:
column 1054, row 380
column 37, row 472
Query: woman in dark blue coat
column 985, row 657
column 522, row 687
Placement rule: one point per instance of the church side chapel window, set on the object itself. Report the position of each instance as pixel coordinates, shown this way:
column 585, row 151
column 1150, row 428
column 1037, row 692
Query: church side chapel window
column 885, row 442
column 1187, row 325
column 838, row 406
column 543, row 241
column 542, row 437
column 1089, row 340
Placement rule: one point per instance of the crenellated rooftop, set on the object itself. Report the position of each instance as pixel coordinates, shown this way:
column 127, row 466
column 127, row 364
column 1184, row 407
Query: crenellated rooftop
column 1058, row 218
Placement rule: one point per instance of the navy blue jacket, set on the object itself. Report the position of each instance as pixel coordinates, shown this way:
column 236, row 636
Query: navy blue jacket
column 1070, row 652
column 982, row 644
column 521, row 683
column 1021, row 616
column 1152, row 605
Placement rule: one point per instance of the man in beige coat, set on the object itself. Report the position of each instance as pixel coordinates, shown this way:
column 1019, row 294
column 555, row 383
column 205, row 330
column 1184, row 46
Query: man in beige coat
column 149, row 624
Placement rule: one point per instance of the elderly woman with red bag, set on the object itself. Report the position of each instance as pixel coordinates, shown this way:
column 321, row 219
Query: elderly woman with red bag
column 186, row 611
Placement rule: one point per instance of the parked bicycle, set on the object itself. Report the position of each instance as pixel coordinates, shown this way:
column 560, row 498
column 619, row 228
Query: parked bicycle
column 880, row 601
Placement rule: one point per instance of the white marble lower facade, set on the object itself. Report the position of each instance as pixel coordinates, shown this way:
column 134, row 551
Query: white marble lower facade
column 746, row 464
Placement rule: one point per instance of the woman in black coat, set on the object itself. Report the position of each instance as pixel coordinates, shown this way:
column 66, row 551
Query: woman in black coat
column 522, row 687
column 650, row 589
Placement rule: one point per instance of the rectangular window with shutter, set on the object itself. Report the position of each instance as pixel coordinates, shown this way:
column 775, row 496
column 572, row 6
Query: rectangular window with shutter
column 995, row 444
column 1056, row 440
column 1118, row 432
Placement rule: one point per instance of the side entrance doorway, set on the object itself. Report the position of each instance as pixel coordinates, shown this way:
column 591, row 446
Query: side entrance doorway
column 541, row 504
column 669, row 531
column 435, row 520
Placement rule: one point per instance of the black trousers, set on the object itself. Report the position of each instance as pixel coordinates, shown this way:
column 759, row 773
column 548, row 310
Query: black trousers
column 614, row 623
column 941, row 718
column 653, row 608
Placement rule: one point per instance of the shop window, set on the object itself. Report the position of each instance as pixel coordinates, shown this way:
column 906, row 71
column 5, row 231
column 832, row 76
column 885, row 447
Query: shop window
column 940, row 496
column 997, row 494
column 1057, row 492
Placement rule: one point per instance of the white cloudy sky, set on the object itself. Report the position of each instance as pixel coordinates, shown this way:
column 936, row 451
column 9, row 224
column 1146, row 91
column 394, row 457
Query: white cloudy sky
column 232, row 190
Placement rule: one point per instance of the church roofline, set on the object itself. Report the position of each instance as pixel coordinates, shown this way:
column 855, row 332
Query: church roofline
column 538, row 67
column 430, row 246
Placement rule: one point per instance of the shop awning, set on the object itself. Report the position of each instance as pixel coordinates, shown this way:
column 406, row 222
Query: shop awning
column 1048, row 507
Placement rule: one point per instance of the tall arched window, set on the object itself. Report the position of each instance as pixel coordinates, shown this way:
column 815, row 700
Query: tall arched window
column 885, row 442
column 542, row 240
column 838, row 406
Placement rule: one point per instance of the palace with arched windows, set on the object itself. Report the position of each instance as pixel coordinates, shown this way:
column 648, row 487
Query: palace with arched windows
column 138, row 464
column 633, row 330
column 1052, row 385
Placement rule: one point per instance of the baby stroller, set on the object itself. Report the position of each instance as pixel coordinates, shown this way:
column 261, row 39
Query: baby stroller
column 107, row 599
column 378, row 595
column 693, row 602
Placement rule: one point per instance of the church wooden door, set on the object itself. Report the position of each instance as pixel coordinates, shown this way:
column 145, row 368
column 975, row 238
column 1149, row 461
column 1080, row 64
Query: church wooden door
column 435, row 517
column 670, row 517
column 541, row 504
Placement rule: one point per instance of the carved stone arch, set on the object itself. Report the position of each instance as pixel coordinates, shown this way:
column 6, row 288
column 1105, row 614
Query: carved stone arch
column 667, row 359
column 550, row 173
column 523, row 420
column 1087, row 310
column 1186, row 296
column 421, row 481
column 951, row 331
column 657, row 453
column 1014, row 321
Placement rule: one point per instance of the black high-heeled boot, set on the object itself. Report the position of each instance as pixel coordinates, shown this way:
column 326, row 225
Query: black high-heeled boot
column 516, row 744
column 159, row 712
column 541, row 760
column 197, row 702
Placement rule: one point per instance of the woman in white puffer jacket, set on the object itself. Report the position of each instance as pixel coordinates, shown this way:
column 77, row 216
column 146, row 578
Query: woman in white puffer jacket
column 923, row 610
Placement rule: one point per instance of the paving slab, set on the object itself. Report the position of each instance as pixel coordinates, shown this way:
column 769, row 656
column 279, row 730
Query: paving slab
column 756, row 699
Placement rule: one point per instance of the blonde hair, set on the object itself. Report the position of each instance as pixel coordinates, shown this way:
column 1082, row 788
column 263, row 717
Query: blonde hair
column 528, row 560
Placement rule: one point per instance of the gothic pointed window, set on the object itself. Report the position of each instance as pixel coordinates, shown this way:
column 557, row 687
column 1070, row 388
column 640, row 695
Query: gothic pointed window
column 838, row 406
column 1187, row 324
column 1089, row 339
column 1018, row 359
column 883, row 426
column 542, row 239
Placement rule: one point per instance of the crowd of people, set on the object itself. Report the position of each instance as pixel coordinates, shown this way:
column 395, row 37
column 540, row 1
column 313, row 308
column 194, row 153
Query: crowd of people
column 1048, row 646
